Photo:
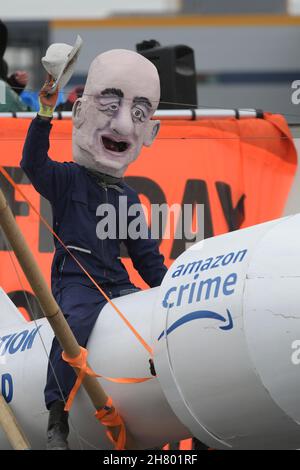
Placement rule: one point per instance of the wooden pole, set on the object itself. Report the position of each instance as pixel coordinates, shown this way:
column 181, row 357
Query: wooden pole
column 12, row 428
column 49, row 306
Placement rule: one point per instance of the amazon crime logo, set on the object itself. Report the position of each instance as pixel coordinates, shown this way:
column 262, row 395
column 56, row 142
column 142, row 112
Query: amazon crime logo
column 201, row 289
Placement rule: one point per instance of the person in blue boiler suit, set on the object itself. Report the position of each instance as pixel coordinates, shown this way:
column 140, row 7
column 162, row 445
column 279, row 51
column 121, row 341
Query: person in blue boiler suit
column 111, row 123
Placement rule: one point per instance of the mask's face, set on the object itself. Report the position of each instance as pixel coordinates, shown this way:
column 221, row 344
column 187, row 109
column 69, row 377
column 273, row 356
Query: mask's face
column 112, row 119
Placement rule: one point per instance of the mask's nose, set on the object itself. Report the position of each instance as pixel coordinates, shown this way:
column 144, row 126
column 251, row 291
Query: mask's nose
column 122, row 123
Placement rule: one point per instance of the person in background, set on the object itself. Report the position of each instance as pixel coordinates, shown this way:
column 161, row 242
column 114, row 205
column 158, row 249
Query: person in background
column 18, row 81
column 13, row 85
column 74, row 94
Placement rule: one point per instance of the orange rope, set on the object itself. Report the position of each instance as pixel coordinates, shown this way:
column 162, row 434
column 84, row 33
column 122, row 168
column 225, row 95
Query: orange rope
column 109, row 417
column 80, row 362
column 130, row 326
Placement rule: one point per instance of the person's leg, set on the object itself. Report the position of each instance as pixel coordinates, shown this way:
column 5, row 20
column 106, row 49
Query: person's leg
column 58, row 427
column 81, row 307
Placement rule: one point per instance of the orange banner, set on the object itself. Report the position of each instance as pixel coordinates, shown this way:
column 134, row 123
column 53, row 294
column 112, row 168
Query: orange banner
column 241, row 170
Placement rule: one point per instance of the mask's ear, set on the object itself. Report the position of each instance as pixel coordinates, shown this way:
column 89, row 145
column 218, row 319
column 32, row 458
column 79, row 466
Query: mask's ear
column 151, row 132
column 78, row 113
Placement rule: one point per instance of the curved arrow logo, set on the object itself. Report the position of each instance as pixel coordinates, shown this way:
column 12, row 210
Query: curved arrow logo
column 200, row 314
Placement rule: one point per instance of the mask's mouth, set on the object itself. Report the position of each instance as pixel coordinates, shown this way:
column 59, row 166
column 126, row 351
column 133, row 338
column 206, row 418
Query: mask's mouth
column 114, row 146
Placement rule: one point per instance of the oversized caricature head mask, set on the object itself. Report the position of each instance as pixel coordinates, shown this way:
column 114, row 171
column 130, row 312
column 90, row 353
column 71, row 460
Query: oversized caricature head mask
column 112, row 119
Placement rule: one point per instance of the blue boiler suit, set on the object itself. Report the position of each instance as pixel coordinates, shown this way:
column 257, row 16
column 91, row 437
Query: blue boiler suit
column 74, row 196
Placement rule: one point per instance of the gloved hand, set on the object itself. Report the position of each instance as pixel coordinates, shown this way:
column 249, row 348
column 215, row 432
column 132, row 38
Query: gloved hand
column 47, row 101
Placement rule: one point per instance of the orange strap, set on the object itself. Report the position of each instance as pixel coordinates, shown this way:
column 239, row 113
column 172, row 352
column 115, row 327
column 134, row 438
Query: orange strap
column 109, row 417
column 130, row 326
column 80, row 362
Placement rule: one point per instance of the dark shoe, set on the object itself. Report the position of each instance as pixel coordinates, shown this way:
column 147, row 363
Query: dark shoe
column 58, row 427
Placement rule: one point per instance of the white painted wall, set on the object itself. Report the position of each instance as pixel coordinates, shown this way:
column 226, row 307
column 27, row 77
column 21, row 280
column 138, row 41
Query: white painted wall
column 226, row 49
column 68, row 9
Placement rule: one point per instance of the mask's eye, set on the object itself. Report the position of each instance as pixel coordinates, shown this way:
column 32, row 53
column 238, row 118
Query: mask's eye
column 138, row 114
column 108, row 104
column 109, row 108
column 112, row 107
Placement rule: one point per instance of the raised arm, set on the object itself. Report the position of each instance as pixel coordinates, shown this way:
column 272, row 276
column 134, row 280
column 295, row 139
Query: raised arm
column 51, row 179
